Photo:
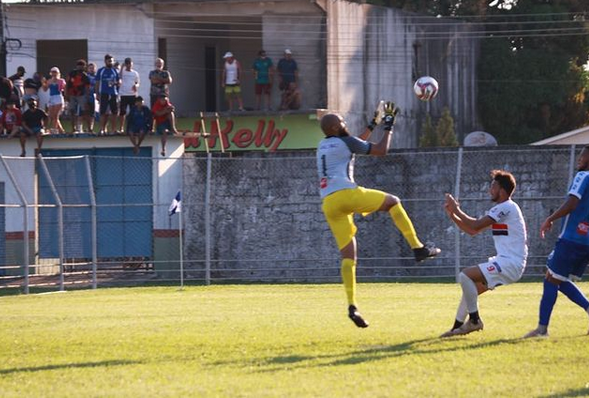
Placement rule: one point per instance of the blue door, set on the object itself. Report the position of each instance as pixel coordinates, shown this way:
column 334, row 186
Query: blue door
column 122, row 185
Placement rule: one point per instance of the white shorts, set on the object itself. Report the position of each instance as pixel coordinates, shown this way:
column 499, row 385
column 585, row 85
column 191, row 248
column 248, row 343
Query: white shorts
column 56, row 100
column 502, row 271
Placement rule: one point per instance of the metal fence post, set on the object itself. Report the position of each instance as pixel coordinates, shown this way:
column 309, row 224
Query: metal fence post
column 457, row 230
column 23, row 199
column 59, row 221
column 94, row 236
column 208, row 221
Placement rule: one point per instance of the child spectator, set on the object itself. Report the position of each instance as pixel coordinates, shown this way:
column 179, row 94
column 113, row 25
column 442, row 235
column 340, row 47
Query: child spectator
column 163, row 114
column 291, row 98
column 34, row 121
column 11, row 119
column 139, row 123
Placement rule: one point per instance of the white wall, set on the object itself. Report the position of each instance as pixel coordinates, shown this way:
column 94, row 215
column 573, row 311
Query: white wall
column 120, row 30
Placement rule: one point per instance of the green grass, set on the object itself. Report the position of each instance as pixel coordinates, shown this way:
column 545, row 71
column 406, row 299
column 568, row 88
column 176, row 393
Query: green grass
column 286, row 341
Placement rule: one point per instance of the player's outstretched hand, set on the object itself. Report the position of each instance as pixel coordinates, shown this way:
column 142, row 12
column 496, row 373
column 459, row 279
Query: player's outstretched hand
column 377, row 117
column 390, row 113
column 451, row 204
column 545, row 227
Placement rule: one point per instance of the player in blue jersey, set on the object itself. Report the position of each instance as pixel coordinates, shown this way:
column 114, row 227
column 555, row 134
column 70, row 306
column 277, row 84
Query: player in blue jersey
column 570, row 256
column 342, row 197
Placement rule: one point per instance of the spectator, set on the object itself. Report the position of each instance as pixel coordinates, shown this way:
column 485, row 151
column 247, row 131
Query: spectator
column 163, row 114
column 56, row 86
column 77, row 93
column 31, row 87
column 43, row 95
column 139, row 123
column 128, row 92
column 160, row 82
column 106, row 86
column 291, row 98
column 288, row 71
column 11, row 119
column 230, row 80
column 18, row 83
column 6, row 88
column 263, row 74
column 34, row 121
column 92, row 108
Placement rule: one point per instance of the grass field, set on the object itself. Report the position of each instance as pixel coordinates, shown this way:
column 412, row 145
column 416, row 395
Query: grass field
column 286, row 341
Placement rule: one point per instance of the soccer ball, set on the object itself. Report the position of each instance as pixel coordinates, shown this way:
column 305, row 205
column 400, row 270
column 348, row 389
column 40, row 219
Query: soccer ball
column 426, row 88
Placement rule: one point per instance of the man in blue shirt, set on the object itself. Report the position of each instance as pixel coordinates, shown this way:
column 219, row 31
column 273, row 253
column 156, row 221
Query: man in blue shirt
column 288, row 70
column 570, row 256
column 139, row 123
column 107, row 86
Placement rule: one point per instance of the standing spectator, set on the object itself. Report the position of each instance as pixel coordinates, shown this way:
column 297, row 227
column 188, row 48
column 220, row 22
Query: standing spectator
column 128, row 92
column 92, row 113
column 160, row 80
column 11, row 119
column 230, row 80
column 34, row 121
column 18, row 82
column 31, row 87
column 107, row 86
column 139, row 123
column 263, row 74
column 77, row 93
column 6, row 88
column 288, row 71
column 291, row 98
column 43, row 94
column 56, row 86
column 163, row 114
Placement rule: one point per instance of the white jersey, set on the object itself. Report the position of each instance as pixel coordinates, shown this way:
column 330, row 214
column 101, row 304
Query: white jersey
column 509, row 231
column 335, row 162
column 231, row 72
column 128, row 80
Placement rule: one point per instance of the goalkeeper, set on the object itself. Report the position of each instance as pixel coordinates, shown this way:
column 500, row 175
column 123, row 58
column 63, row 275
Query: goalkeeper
column 342, row 197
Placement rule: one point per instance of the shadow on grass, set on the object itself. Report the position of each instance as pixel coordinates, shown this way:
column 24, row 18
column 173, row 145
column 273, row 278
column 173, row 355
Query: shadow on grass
column 68, row 366
column 578, row 392
column 427, row 346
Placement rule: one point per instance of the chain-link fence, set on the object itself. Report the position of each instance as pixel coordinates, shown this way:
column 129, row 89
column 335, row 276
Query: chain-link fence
column 103, row 220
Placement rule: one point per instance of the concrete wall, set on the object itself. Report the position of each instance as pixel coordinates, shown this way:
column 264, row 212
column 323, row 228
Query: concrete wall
column 377, row 53
column 266, row 219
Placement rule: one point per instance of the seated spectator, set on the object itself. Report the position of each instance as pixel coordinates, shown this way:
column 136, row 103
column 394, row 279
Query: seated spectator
column 139, row 123
column 6, row 88
column 34, row 121
column 291, row 97
column 11, row 119
column 165, row 120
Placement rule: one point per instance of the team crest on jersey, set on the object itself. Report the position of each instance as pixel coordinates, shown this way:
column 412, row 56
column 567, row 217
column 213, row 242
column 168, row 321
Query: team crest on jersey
column 500, row 229
column 494, row 267
column 583, row 228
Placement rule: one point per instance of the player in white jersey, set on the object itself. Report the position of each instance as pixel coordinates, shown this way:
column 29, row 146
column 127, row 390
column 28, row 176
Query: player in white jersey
column 342, row 197
column 509, row 234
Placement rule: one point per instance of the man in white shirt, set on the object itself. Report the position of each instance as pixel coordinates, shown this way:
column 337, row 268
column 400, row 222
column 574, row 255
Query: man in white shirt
column 128, row 91
column 510, row 238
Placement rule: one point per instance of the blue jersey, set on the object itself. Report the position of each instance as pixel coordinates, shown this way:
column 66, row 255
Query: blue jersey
column 139, row 119
column 575, row 226
column 109, row 80
column 335, row 162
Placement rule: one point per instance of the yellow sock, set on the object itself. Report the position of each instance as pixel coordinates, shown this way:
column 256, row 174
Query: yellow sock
column 349, row 278
column 402, row 221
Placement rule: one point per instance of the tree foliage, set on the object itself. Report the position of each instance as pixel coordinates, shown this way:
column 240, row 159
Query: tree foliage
column 443, row 134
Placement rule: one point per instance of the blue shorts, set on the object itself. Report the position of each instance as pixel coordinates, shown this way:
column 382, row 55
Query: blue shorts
column 162, row 127
column 568, row 260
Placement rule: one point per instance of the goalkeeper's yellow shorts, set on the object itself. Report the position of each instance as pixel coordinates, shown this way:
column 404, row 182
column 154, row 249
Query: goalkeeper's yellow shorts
column 340, row 206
